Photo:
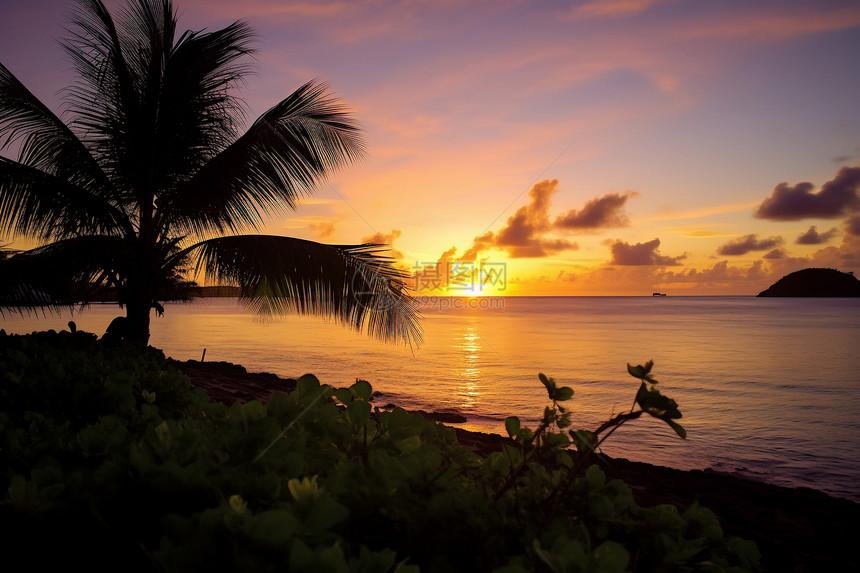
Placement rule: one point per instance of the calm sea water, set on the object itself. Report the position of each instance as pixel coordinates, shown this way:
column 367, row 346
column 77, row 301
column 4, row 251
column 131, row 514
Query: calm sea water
column 768, row 387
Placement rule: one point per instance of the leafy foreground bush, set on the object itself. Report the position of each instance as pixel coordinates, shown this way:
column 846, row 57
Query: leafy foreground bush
column 110, row 459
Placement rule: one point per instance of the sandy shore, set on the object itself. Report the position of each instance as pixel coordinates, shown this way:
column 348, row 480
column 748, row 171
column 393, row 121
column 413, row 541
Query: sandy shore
column 797, row 529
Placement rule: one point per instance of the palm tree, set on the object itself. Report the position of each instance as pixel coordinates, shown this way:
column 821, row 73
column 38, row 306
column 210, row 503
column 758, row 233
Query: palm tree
column 152, row 172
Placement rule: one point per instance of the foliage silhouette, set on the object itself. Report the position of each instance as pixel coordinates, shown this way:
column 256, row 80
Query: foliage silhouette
column 139, row 186
column 108, row 452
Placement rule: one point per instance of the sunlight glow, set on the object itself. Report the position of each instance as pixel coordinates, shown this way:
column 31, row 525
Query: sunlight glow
column 469, row 347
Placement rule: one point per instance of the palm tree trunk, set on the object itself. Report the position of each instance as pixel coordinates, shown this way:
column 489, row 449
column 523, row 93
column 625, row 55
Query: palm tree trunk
column 137, row 322
column 138, row 310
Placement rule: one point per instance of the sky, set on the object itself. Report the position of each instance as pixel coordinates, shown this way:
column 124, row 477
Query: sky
column 558, row 148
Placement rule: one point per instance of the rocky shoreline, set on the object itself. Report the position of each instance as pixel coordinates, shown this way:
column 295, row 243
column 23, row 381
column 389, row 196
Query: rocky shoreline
column 797, row 529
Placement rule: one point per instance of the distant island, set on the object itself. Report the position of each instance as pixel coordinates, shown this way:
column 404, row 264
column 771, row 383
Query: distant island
column 815, row 283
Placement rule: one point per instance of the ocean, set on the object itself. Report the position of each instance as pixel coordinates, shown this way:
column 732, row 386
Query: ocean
column 768, row 387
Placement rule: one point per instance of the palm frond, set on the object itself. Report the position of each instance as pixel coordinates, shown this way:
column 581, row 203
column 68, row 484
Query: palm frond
column 352, row 284
column 153, row 107
column 198, row 108
column 102, row 98
column 43, row 206
column 287, row 152
column 60, row 274
column 198, row 113
column 47, row 143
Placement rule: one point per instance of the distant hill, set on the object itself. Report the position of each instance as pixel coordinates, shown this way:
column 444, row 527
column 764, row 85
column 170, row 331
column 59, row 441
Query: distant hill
column 815, row 282
column 215, row 291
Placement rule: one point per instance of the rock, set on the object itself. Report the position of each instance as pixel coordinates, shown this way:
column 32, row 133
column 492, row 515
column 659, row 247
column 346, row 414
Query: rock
column 444, row 417
column 227, row 382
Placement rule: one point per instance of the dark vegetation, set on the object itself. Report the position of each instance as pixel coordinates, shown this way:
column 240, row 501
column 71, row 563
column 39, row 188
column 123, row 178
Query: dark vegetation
column 112, row 459
column 815, row 283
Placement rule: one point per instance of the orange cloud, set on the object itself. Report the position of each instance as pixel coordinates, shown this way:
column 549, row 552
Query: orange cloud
column 523, row 235
column 259, row 9
column 718, row 210
column 766, row 24
column 698, row 232
column 530, row 220
column 641, row 254
column 613, row 8
column 324, row 229
column 385, row 239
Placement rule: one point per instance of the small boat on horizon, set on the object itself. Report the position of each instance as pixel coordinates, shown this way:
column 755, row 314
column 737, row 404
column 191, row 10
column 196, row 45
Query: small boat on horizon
column 658, row 294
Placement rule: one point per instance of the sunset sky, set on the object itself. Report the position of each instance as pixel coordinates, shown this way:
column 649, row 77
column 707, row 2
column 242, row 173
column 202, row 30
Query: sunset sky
column 579, row 148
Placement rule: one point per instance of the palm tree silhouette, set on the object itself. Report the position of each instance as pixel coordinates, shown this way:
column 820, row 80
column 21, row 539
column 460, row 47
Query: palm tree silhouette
column 151, row 173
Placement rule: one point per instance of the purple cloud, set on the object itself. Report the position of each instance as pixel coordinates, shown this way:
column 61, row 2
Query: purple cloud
column 598, row 213
column 744, row 245
column 835, row 199
column 775, row 254
column 813, row 237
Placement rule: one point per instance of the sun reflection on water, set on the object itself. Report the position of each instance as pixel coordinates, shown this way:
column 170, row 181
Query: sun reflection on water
column 468, row 346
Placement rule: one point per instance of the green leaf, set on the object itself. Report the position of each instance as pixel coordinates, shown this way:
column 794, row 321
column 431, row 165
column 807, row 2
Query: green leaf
column 584, row 440
column 409, row 444
column 404, row 567
column 362, row 389
column 562, row 394
column 495, row 464
column 563, row 421
column 595, row 477
column 642, row 396
column 273, row 528
column 512, row 425
column 254, row 411
column 344, row 395
column 21, row 491
column 326, row 513
column 376, row 560
column 331, row 559
column 358, row 412
column 679, row 429
column 557, row 441
column 640, row 371
column 611, row 557
column 746, row 551
column 308, row 386
column 549, row 383
column 279, row 404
